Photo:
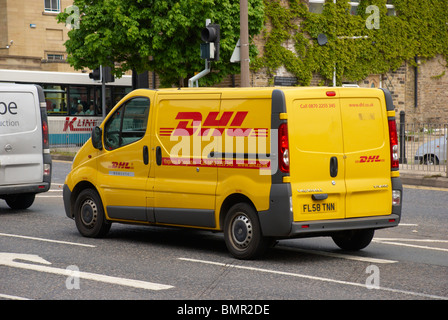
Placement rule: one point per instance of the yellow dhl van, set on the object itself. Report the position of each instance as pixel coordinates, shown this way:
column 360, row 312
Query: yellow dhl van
column 258, row 164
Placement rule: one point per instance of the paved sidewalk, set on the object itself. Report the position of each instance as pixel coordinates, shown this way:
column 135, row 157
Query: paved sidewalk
column 424, row 178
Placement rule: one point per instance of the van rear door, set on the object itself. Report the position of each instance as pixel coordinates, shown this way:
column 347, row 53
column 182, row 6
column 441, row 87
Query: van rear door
column 21, row 144
column 367, row 152
column 316, row 155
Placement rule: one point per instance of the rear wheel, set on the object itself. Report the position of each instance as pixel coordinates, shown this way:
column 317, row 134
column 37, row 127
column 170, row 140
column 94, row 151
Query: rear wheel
column 354, row 240
column 242, row 232
column 430, row 159
column 89, row 215
column 20, row 201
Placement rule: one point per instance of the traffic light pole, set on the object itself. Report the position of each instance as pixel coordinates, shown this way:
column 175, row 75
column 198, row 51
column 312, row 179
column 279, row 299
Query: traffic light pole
column 244, row 47
column 103, row 92
column 192, row 80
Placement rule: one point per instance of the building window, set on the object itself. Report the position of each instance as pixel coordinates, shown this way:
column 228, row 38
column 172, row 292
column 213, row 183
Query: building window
column 55, row 57
column 317, row 6
column 354, row 7
column 52, row 5
column 390, row 8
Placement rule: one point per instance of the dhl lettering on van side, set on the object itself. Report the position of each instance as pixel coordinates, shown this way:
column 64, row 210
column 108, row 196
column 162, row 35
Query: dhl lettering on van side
column 365, row 159
column 218, row 162
column 191, row 122
column 121, row 165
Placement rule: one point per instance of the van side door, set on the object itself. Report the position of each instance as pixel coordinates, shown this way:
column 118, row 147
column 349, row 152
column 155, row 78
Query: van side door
column 316, row 157
column 184, row 181
column 123, row 166
column 367, row 150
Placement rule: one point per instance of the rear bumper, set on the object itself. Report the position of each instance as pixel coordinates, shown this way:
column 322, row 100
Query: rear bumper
column 278, row 222
column 24, row 188
column 326, row 227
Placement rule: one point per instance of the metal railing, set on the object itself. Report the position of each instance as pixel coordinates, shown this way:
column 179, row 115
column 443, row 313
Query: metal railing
column 423, row 147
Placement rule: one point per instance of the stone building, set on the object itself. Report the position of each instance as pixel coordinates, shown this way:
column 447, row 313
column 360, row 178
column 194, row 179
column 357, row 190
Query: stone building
column 30, row 37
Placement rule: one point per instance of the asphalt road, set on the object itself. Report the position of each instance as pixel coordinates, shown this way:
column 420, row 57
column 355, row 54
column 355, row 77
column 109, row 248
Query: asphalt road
column 43, row 257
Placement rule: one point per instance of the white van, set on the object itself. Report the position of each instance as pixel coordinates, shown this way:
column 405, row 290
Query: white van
column 25, row 160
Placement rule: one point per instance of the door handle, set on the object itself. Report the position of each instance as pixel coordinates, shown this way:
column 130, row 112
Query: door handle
column 333, row 167
column 145, row 155
column 320, row 196
column 159, row 156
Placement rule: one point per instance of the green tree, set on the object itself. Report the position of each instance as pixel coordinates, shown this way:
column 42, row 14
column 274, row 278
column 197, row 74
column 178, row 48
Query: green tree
column 156, row 35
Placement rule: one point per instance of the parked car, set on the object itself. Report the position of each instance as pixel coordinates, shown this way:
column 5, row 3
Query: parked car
column 432, row 152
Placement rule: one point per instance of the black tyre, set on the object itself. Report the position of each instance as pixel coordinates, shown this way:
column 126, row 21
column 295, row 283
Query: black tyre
column 354, row 240
column 430, row 160
column 20, row 201
column 242, row 232
column 89, row 215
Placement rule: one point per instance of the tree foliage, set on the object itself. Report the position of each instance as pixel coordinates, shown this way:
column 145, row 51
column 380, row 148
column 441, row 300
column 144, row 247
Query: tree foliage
column 156, row 35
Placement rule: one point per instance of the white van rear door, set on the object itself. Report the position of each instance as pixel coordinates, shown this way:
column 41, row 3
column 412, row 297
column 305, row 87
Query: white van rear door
column 20, row 136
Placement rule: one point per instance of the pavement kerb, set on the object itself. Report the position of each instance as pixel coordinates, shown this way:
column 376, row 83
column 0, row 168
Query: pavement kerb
column 429, row 179
column 408, row 177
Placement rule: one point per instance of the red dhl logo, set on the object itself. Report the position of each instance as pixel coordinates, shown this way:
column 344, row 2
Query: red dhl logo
column 121, row 165
column 365, row 159
column 192, row 122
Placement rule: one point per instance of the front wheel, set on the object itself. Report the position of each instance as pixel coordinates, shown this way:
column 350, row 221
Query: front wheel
column 354, row 240
column 89, row 215
column 242, row 232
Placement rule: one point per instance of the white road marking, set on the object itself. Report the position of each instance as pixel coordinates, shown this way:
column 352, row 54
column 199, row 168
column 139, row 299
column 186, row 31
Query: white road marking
column 412, row 240
column 8, row 259
column 338, row 255
column 46, row 196
column 47, row 240
column 7, row 296
column 362, row 285
column 409, row 245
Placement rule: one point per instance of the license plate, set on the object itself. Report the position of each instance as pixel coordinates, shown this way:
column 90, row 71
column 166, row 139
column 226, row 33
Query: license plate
column 319, row 207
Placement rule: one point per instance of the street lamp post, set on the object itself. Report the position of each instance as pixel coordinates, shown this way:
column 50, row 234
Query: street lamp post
column 244, row 46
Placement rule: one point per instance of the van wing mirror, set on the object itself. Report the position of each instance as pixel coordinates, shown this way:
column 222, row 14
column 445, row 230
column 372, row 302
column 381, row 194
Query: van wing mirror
column 97, row 138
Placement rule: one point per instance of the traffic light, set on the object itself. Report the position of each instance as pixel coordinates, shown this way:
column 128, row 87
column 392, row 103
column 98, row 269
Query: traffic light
column 108, row 75
column 101, row 72
column 211, row 35
column 95, row 74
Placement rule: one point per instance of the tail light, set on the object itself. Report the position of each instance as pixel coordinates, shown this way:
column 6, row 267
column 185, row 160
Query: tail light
column 396, row 197
column 393, row 137
column 283, row 148
column 46, row 142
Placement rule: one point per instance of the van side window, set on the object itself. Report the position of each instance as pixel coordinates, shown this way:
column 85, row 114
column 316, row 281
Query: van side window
column 127, row 124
